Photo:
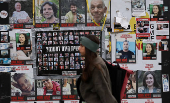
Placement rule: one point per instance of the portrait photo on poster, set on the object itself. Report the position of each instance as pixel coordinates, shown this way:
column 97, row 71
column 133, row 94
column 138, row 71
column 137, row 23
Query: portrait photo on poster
column 131, row 84
column 163, row 45
column 98, row 10
column 5, row 53
column 47, row 11
column 69, row 86
column 4, row 37
column 126, row 50
column 73, row 11
column 20, row 54
column 23, row 41
column 156, row 11
column 48, row 87
column 20, row 12
column 149, row 51
column 21, row 88
column 149, row 81
column 138, row 7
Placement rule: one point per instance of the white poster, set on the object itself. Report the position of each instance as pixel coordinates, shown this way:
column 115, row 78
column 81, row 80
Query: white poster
column 141, row 101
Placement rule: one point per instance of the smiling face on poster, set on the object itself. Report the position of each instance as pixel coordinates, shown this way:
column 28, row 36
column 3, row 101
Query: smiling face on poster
column 23, row 41
column 149, row 51
column 22, row 82
column 73, row 12
column 46, row 11
column 22, row 44
column 21, row 13
column 98, row 10
column 149, row 81
column 48, row 87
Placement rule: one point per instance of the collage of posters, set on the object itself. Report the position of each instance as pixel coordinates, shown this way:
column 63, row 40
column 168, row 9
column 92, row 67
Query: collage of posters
column 58, row 51
column 64, row 12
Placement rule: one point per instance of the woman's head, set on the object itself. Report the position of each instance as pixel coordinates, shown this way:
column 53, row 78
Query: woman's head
column 149, row 79
column 156, row 10
column 23, row 39
column 159, row 26
column 65, row 81
column 149, row 49
column 88, row 47
column 24, row 81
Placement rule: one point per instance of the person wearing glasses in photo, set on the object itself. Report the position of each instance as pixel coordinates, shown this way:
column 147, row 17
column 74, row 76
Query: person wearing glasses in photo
column 129, row 87
column 49, row 12
column 51, row 87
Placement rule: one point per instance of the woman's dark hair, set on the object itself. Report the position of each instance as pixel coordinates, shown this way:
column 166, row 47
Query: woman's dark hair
column 26, row 39
column 89, row 57
column 161, row 27
column 154, row 77
column 159, row 8
column 54, row 7
column 17, row 76
column 72, row 4
column 152, row 51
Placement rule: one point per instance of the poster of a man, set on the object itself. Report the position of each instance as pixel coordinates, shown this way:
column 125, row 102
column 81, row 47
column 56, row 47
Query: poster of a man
column 73, row 11
column 98, row 10
column 72, row 16
column 46, row 11
column 20, row 16
column 126, row 53
column 126, row 48
column 49, row 12
column 4, row 37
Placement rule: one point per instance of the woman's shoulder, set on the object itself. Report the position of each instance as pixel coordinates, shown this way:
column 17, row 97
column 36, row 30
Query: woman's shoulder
column 99, row 61
column 156, row 90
